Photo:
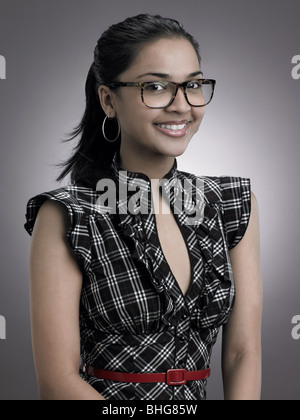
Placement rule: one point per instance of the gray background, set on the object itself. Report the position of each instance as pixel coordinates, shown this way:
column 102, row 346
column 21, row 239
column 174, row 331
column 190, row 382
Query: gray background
column 251, row 129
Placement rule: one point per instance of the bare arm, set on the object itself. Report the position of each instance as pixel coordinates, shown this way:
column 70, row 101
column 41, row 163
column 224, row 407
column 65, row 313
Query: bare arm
column 241, row 361
column 55, row 287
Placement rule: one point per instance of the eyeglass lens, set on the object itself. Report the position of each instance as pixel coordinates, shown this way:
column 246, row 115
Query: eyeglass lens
column 160, row 94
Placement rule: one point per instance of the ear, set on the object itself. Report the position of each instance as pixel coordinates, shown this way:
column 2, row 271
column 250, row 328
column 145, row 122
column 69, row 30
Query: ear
column 106, row 98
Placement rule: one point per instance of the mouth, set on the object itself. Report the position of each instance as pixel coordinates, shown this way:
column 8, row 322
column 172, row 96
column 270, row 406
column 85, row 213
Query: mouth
column 173, row 128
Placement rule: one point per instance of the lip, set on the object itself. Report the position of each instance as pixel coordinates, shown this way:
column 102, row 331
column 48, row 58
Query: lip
column 168, row 128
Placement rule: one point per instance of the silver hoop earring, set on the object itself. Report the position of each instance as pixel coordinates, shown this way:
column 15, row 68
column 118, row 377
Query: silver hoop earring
column 103, row 130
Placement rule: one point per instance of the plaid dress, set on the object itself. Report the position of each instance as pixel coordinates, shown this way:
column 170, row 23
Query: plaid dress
column 133, row 315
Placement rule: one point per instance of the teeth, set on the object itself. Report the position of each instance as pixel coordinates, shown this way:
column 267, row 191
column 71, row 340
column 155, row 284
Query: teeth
column 172, row 127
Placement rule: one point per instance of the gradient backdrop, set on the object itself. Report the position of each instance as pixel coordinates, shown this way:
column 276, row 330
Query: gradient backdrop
column 251, row 129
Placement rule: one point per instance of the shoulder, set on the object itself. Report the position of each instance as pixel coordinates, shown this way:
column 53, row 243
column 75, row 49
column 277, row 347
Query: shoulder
column 71, row 202
column 225, row 190
column 232, row 195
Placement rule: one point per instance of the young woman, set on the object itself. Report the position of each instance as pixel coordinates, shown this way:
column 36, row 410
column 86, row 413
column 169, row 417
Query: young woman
column 135, row 265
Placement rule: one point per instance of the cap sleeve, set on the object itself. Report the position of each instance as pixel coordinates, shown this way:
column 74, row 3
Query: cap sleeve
column 236, row 198
column 77, row 234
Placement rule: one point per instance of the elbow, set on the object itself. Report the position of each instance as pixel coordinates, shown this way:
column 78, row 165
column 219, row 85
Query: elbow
column 50, row 389
column 47, row 393
column 250, row 358
column 242, row 376
column 56, row 388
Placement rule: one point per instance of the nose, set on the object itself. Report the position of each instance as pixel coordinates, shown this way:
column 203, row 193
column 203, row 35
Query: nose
column 179, row 103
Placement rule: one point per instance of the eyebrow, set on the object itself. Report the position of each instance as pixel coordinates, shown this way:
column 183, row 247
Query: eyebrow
column 167, row 76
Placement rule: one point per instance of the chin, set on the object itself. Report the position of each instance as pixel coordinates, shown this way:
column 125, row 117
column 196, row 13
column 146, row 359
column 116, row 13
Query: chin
column 177, row 149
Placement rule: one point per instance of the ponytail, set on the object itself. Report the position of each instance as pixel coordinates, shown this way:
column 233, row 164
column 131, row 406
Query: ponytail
column 92, row 153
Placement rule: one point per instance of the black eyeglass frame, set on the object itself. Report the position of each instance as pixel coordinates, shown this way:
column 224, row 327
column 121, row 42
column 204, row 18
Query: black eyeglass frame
column 183, row 85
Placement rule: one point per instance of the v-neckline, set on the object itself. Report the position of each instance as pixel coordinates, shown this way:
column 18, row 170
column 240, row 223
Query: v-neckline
column 192, row 267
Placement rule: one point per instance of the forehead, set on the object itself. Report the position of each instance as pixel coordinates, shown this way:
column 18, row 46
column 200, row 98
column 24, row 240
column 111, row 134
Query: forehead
column 175, row 57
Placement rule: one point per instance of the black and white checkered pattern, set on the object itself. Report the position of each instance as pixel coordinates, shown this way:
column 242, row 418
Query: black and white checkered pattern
column 134, row 317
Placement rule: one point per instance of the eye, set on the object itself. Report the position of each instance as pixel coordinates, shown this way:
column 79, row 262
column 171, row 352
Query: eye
column 194, row 84
column 155, row 86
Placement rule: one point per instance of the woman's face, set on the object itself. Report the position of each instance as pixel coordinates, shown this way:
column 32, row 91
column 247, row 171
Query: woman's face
column 165, row 131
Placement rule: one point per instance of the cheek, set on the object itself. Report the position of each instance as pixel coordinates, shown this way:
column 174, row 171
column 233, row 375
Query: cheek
column 137, row 117
column 135, row 121
column 133, row 117
column 198, row 115
column 129, row 107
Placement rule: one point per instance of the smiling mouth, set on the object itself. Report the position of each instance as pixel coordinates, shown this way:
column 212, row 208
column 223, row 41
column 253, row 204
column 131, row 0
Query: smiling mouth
column 172, row 126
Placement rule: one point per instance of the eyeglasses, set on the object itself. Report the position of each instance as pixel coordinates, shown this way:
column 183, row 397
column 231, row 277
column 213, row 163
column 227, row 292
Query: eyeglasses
column 161, row 94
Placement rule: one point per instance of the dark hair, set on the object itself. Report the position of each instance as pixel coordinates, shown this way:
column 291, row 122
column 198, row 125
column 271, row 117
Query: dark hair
column 114, row 53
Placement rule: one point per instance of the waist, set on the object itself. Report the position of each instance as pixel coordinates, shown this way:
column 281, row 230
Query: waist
column 171, row 377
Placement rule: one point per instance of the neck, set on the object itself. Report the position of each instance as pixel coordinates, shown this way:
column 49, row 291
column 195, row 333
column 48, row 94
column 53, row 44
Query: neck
column 154, row 166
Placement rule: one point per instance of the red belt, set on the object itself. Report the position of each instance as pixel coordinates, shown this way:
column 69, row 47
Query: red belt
column 171, row 377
